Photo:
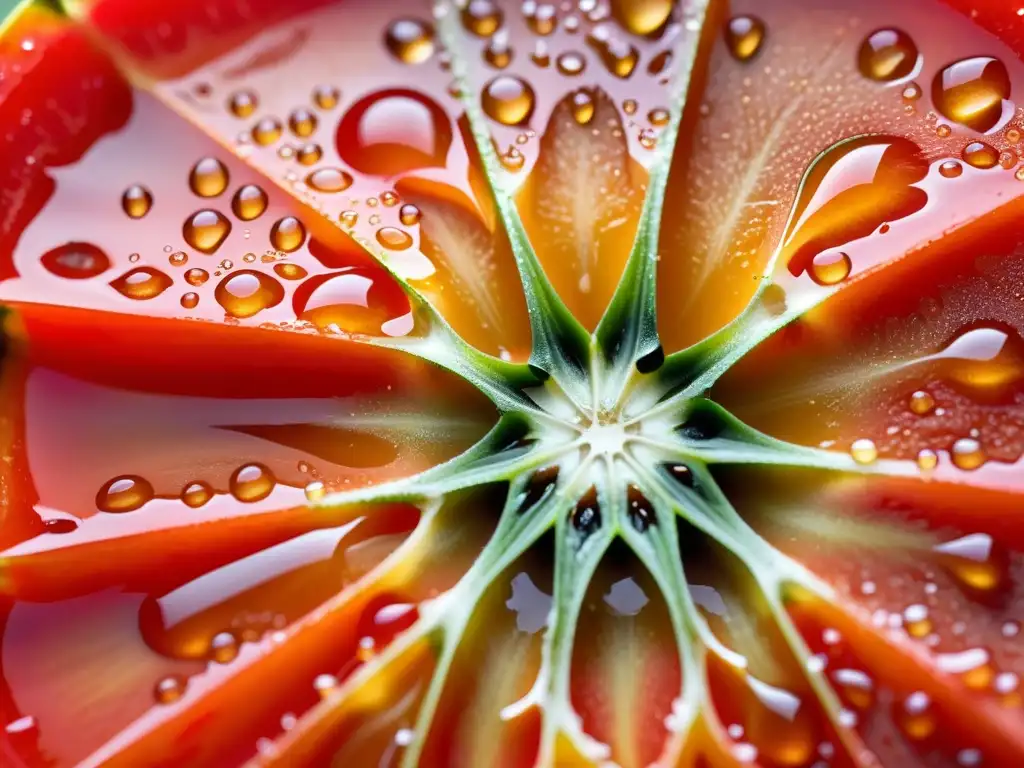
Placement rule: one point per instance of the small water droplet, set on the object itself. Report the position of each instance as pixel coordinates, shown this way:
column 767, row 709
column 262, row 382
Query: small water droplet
column 206, row 230
column 658, row 116
column 124, row 494
column 830, row 267
column 315, row 491
column 394, row 239
column 142, row 283
column 582, row 106
column 571, row 63
column 512, row 160
column 887, row 55
column 196, row 276
column 302, row 122
column 267, row 131
column 744, row 36
column 927, row 459
column 971, row 91
column 290, row 271
column 249, row 202
column 950, row 169
column 196, row 494
column 329, row 180
column 243, row 103
column 864, row 451
column 619, row 57
column 169, row 689
column 498, row 54
column 326, row 96
column 190, row 300
column 247, row 292
column 409, row 214
column 410, row 40
column 252, row 482
column 208, row 177
column 223, row 647
column 287, row 234
column 136, row 201
column 922, row 403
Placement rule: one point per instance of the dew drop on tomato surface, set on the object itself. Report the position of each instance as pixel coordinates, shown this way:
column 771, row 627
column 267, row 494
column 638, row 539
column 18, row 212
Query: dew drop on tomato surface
column 864, row 451
column 361, row 300
column 267, row 131
column 189, row 300
column 290, row 271
column 583, row 106
column 243, row 103
column 208, row 177
column 252, row 482
column 169, row 689
column 508, row 100
column 206, row 230
column 830, row 267
column 287, row 234
column 196, row 494
column 978, row 154
column 137, row 201
column 381, row 621
column 570, row 63
column 142, row 283
column 309, row 154
column 329, row 180
column 971, row 91
column 196, row 276
column 124, row 494
column 976, row 561
column 641, row 17
column 410, row 40
column 744, row 36
column 249, row 202
column 76, row 261
column 482, row 17
column 887, row 55
column 394, row 239
column 302, row 122
column 409, row 215
column 247, row 292
column 394, row 131
column 223, row 647
column 619, row 57
column 968, row 453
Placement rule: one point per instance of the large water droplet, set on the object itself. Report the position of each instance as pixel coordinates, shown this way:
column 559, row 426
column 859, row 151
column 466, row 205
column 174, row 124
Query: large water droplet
column 329, row 180
column 830, row 267
column 253, row 482
column 967, row 453
column 205, row 230
column 249, row 202
column 976, row 561
column 124, row 494
column 208, row 178
column 361, row 300
column 196, row 494
column 482, row 17
column 142, row 283
column 136, row 201
column 887, row 55
column 290, row 271
column 394, row 239
column 744, row 36
column 76, row 261
column 971, row 91
column 247, row 292
column 641, row 17
column 410, row 40
column 287, row 234
column 508, row 99
column 393, row 132
column 978, row 154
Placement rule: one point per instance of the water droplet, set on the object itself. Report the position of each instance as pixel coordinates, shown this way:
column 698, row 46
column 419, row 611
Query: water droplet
column 196, row 276
column 916, row 620
column 190, row 300
column 915, row 717
column 266, row 131
column 641, row 17
column 744, row 36
column 348, row 218
column 324, row 684
column 887, row 55
column 409, row 214
column 169, row 689
column 362, row 300
column 927, row 459
column 864, row 451
column 243, row 103
column 971, row 91
column 660, row 63
column 76, row 261
column 302, row 122
column 512, row 160
column 247, row 292
column 315, row 491
column 618, row 56
column 482, row 17
column 922, row 403
column 570, row 63
column 329, row 180
column 648, row 139
column 830, row 267
column 508, row 99
column 178, row 259
column 912, row 92
column 136, row 201
column 252, row 482
column 1013, row 135
column 582, row 106
column 967, row 453
column 326, row 96
column 410, row 40
column 287, row 234
column 394, row 239
column 223, row 647
column 249, row 202
column 855, row 687
column 309, row 154
column 196, row 494
column 393, row 132
column 629, row 106
column 124, row 494
column 142, row 283
column 658, row 116
column 498, row 54
column 541, row 18
column 950, row 169
column 980, row 155
column 208, row 177
column 290, row 271
column 976, row 561
column 205, row 230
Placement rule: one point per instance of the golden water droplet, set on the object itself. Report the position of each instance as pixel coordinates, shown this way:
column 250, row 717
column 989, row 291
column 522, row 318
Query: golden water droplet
column 348, row 218
column 541, row 57
column 388, row 198
column 410, row 40
column 252, row 482
column 830, row 267
column 76, row 261
column 864, row 451
column 315, row 491
column 1007, row 160
column 980, row 155
column 912, row 92
column 582, row 107
column 326, row 96
column 971, row 91
column 498, row 55
column 927, row 459
column 915, row 718
column 887, row 55
column 196, row 494
column 205, row 230
column 190, row 300
column 570, row 63
column 744, row 36
column 855, row 687
column 482, row 17
column 136, row 201
column 512, row 160
column 658, row 116
column 618, row 56
column 629, row 106
column 967, row 453
column 249, row 258
column 169, row 689
column 249, row 202
column 922, row 402
column 223, row 647
column 329, row 180
column 243, row 103
column 648, row 139
column 409, row 214
column 1012, row 135
column 976, row 560
column 266, row 131
column 178, row 259
column 641, row 17
column 208, row 178
column 302, row 122
column 508, row 99
column 287, row 234
column 290, row 271
column 124, row 494
column 943, row 131
column 541, row 19
column 916, row 621
column 142, row 283
column 950, row 169
column 247, row 292
column 196, row 276
column 361, row 300
column 309, row 154
column 324, row 684
column 394, row 239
